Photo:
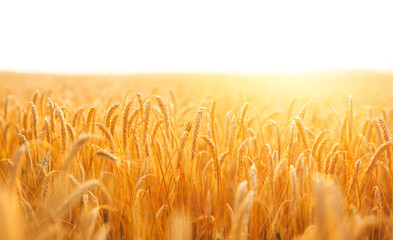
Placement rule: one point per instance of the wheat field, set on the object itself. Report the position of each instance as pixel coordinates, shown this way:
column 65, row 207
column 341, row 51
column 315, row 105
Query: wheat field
column 196, row 156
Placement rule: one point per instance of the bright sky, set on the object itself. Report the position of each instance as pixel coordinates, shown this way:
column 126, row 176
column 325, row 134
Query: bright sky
column 195, row 36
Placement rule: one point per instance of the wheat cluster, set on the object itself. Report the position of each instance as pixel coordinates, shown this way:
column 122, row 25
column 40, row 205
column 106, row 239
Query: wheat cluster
column 166, row 165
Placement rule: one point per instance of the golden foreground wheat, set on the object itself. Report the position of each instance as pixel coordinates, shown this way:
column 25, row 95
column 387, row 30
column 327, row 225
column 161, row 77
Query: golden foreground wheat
column 180, row 166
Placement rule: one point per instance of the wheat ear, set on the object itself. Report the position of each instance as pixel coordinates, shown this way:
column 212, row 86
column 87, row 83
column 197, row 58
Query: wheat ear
column 195, row 134
column 109, row 114
column 108, row 137
column 165, row 114
column 63, row 130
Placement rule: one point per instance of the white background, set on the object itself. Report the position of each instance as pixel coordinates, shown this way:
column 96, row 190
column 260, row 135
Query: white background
column 195, row 36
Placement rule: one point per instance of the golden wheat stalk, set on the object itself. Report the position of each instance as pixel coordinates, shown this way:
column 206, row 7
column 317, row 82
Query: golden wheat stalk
column 107, row 155
column 243, row 114
column 182, row 142
column 240, row 162
column 63, row 130
column 146, row 121
column 125, row 123
column 108, row 137
column 373, row 162
column 300, row 125
column 71, row 154
column 290, row 142
column 72, row 199
column 77, row 115
column 165, row 114
column 112, row 125
column 109, row 114
column 386, row 137
column 232, row 134
column 47, row 130
column 213, row 153
column 90, row 117
column 24, row 142
column 34, row 122
column 71, row 132
column 212, row 112
column 195, row 134
column 350, row 117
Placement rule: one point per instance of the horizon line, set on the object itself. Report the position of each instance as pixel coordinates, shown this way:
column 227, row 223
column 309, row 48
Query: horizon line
column 132, row 73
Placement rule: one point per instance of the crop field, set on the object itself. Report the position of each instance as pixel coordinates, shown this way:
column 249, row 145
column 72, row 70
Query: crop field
column 194, row 156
